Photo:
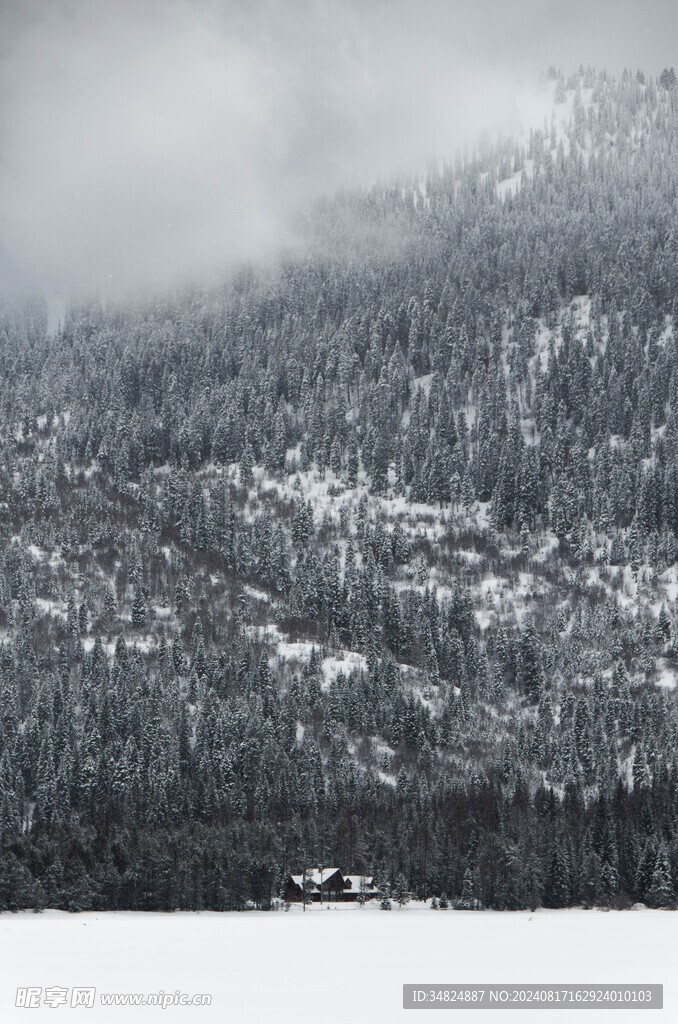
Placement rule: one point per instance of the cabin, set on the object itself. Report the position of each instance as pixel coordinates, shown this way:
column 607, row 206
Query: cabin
column 329, row 885
column 323, row 885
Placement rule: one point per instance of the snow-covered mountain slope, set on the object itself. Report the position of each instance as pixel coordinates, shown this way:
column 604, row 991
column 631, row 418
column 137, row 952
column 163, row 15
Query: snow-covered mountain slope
column 369, row 558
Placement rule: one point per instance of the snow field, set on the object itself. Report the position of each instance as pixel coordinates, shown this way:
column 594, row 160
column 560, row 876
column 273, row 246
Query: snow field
column 338, row 966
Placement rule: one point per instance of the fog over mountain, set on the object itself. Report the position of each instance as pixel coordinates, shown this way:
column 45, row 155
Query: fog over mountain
column 144, row 144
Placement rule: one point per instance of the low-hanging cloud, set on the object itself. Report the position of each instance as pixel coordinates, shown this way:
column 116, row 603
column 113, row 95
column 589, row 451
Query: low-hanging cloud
column 147, row 143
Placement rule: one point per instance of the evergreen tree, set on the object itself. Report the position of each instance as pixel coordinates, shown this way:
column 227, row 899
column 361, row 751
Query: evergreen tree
column 400, row 892
column 139, row 612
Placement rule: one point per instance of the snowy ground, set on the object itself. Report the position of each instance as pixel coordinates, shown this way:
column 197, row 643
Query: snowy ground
column 330, row 966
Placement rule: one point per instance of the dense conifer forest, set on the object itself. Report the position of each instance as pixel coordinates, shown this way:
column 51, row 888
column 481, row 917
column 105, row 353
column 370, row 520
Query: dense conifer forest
column 366, row 559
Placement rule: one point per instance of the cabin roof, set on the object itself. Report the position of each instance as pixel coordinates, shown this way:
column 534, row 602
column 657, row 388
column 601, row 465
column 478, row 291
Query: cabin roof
column 356, row 881
column 350, row 883
column 316, row 874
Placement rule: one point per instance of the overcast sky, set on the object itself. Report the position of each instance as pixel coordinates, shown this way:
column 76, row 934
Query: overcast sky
column 143, row 142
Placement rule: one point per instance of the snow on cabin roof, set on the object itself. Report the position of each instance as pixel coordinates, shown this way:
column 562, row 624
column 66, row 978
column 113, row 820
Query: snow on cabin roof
column 361, row 881
column 315, row 874
column 352, row 883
